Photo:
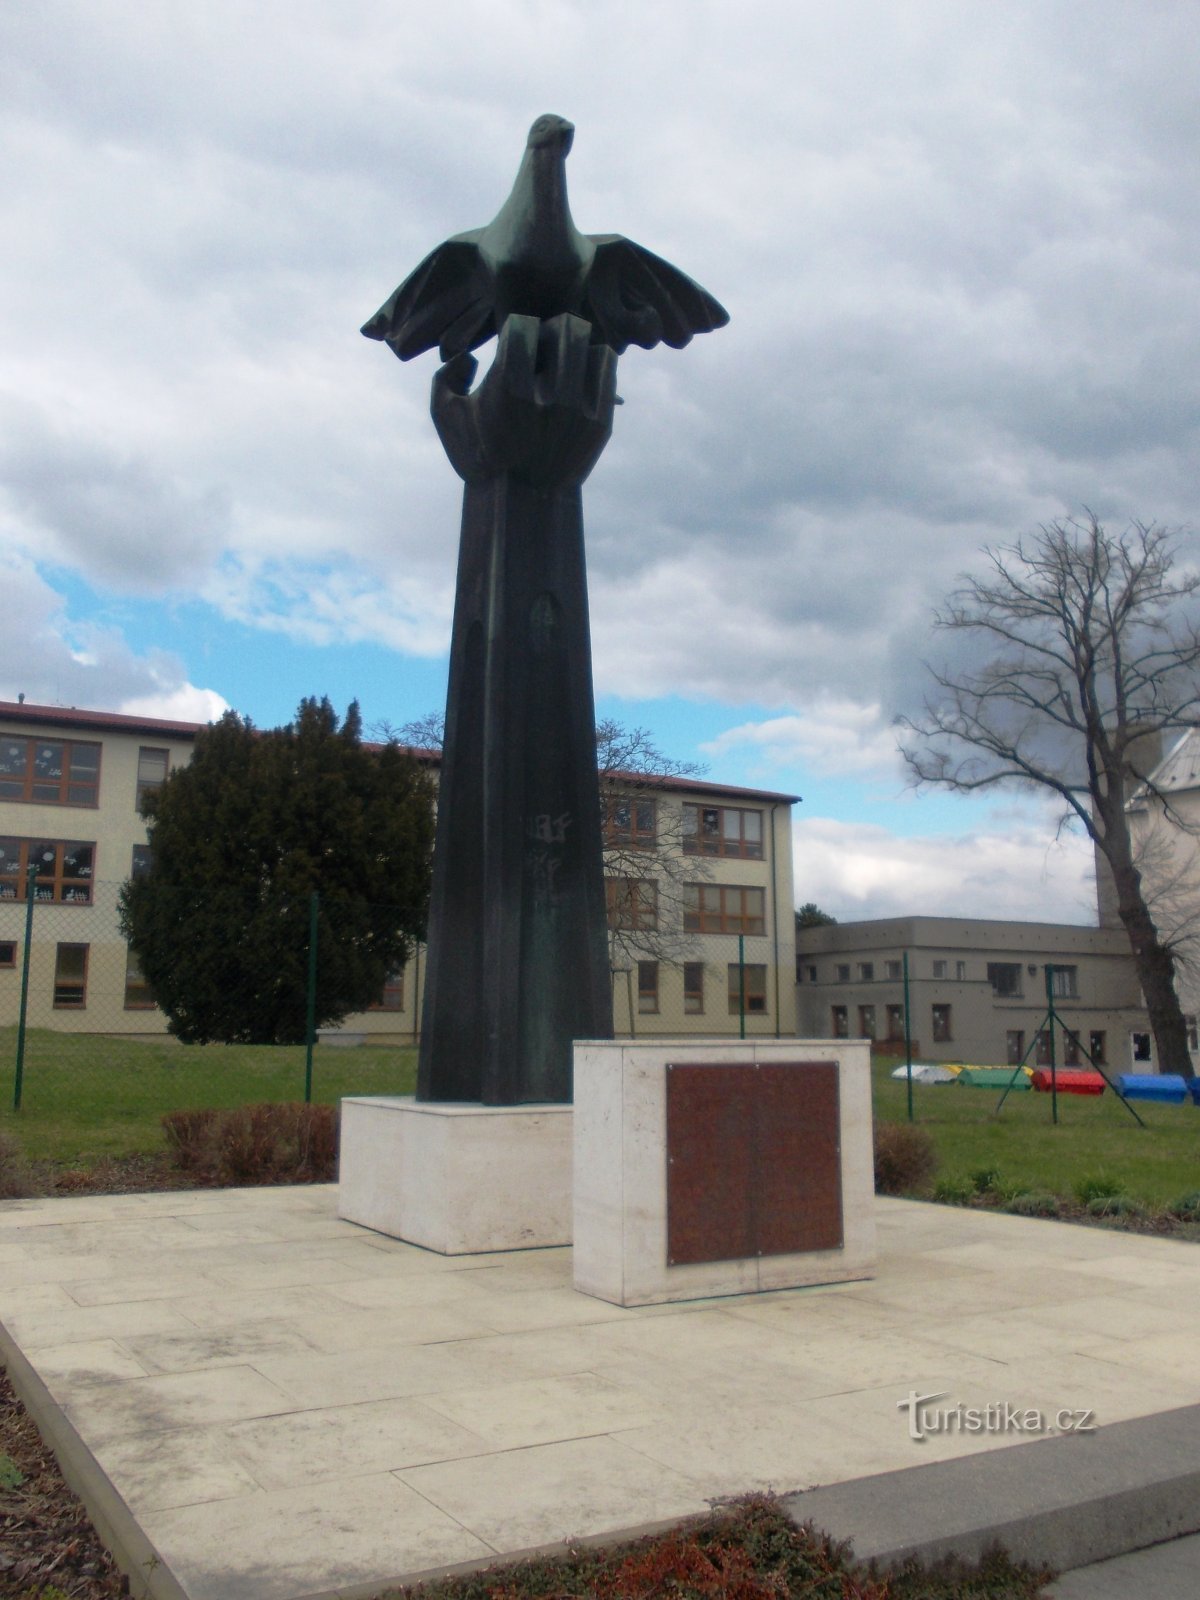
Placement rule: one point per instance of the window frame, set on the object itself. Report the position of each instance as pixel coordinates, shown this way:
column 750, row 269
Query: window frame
column 701, row 914
column 64, row 890
column 61, row 983
column 8, row 962
column 66, row 780
column 138, row 994
column 647, row 991
column 894, row 1022
column 866, row 1021
column 866, row 972
column 631, row 904
column 693, row 988
column 756, row 998
column 942, row 1022
column 1069, row 976
column 144, row 786
column 698, row 842
column 391, row 996
column 839, row 1022
column 635, row 836
column 999, row 972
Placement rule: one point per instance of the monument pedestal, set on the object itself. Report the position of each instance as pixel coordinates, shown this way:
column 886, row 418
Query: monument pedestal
column 721, row 1168
column 458, row 1178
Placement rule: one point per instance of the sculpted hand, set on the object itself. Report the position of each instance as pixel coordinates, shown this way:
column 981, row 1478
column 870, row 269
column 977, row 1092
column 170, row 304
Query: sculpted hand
column 544, row 411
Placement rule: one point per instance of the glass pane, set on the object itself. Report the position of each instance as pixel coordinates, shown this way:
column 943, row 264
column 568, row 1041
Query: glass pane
column 11, row 791
column 71, row 964
column 77, row 860
column 12, row 758
column 85, row 761
column 753, row 826
column 45, row 791
column 710, row 822
column 645, row 816
column 48, row 761
column 733, row 825
column 80, row 794
column 43, row 853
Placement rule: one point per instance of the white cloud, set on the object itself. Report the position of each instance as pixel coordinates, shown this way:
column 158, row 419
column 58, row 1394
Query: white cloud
column 1014, row 870
column 834, row 737
column 186, row 703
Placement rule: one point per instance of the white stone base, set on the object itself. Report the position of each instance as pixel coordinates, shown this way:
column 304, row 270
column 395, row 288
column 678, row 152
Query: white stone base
column 620, row 1228
column 457, row 1178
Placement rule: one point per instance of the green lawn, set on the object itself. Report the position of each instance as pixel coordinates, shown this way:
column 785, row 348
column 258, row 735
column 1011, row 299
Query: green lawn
column 85, row 1096
column 1095, row 1136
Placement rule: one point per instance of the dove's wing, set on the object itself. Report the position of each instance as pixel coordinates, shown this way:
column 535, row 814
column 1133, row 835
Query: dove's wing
column 447, row 301
column 635, row 297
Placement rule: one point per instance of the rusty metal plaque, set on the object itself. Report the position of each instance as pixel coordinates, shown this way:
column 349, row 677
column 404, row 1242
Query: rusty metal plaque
column 753, row 1160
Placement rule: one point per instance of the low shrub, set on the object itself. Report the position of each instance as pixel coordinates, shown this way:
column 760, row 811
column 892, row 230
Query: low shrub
column 1096, row 1186
column 1035, row 1204
column 905, row 1158
column 1115, row 1205
column 954, row 1191
column 1187, row 1207
column 984, row 1179
column 287, row 1143
column 17, row 1181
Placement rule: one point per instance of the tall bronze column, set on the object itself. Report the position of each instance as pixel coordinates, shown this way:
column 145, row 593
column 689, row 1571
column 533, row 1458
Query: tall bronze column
column 518, row 951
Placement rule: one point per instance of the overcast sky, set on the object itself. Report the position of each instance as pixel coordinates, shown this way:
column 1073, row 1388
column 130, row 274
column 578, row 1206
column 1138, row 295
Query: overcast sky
column 958, row 243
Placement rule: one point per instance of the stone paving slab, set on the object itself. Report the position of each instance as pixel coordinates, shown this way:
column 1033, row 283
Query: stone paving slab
column 263, row 1402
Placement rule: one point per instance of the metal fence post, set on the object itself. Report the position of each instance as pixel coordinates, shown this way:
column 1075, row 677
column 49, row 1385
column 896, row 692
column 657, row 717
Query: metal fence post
column 311, row 1028
column 741, row 985
column 907, row 1038
column 19, row 1074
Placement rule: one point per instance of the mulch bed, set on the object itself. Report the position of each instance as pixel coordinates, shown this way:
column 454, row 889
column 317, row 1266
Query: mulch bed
column 48, row 1547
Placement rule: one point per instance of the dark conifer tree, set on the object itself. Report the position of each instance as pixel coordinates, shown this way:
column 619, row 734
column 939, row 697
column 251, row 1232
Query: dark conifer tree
column 240, row 840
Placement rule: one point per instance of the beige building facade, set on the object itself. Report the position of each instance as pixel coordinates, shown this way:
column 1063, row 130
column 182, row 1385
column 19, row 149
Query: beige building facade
column 699, row 888
column 977, row 990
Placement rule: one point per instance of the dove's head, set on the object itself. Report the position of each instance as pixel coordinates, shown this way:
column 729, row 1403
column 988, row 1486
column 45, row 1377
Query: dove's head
column 550, row 130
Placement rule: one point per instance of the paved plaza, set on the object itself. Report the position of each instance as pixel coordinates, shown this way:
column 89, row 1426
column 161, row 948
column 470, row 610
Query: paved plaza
column 262, row 1402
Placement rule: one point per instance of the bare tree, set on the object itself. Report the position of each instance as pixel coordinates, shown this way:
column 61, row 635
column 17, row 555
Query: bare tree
column 644, row 859
column 1094, row 645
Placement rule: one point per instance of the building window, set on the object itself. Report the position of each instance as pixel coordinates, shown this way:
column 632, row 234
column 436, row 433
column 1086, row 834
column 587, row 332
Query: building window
column 693, row 988
column 722, row 831
column 8, row 953
column 866, row 1022
column 812, row 974
column 70, row 976
column 940, row 969
column 895, row 1022
column 1071, row 1050
column 754, row 976
column 1064, row 983
column 632, row 904
column 1005, row 979
column 647, row 987
column 64, row 869
column 1016, row 1046
column 392, row 997
column 839, row 1019
column 630, row 822
column 960, row 971
column 140, row 863
column 866, row 972
column 1041, row 1048
column 941, row 1025
column 894, row 969
column 843, row 972
column 138, row 996
column 1096, row 1047
column 723, row 908
column 52, row 772
column 151, row 772
column 1141, row 1046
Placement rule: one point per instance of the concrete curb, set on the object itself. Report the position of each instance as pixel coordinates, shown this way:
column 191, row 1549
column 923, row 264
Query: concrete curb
column 134, row 1554
column 1062, row 1503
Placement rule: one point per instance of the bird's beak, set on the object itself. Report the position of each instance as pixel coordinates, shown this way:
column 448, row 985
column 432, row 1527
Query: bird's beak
column 568, row 137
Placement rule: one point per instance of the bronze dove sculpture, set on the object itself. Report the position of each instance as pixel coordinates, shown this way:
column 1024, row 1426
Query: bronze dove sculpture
column 533, row 261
